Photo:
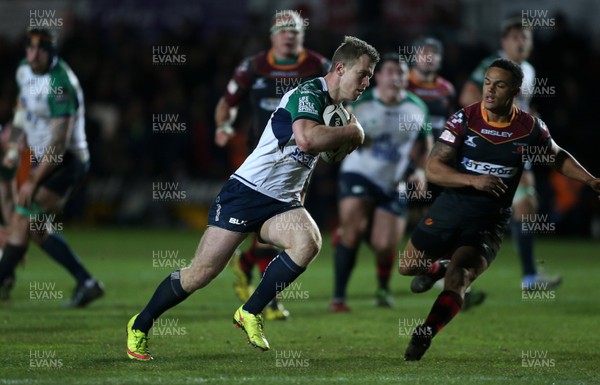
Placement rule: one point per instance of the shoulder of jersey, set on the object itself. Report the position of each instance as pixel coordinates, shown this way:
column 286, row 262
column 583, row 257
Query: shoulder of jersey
column 60, row 69
column 526, row 119
column 259, row 60
column 312, row 86
column 411, row 96
column 313, row 55
column 527, row 66
column 446, row 85
column 472, row 111
column 489, row 59
column 22, row 67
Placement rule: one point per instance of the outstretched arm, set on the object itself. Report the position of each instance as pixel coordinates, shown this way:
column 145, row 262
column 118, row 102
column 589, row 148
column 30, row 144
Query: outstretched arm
column 570, row 167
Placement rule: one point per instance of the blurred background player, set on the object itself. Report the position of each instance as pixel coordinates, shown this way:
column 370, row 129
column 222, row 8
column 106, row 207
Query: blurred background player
column 425, row 81
column 263, row 79
column 7, row 195
column 50, row 114
column 370, row 203
column 516, row 43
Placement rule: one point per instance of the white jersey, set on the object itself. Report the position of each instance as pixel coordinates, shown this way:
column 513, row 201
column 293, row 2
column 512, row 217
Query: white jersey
column 390, row 133
column 277, row 167
column 54, row 94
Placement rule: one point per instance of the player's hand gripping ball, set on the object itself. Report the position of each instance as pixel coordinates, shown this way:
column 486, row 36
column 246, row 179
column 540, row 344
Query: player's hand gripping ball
column 336, row 116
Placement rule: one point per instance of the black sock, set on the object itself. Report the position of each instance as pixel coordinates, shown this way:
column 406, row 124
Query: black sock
column 58, row 249
column 279, row 274
column 524, row 243
column 167, row 295
column 344, row 261
column 10, row 258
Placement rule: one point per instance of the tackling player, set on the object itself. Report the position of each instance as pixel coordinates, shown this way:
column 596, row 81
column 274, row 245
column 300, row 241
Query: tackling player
column 263, row 79
column 478, row 159
column 263, row 197
column 371, row 205
column 439, row 96
column 516, row 45
column 50, row 114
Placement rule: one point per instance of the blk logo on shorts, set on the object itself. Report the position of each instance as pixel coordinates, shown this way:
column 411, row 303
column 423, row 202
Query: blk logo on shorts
column 235, row 221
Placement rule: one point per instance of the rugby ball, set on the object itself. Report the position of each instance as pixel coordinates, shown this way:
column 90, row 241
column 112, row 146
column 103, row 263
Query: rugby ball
column 336, row 116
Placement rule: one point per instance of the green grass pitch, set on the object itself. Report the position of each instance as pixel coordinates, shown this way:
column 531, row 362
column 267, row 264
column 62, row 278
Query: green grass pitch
column 508, row 340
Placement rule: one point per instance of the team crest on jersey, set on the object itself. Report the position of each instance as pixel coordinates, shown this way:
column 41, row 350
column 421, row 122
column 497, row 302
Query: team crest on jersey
column 456, row 119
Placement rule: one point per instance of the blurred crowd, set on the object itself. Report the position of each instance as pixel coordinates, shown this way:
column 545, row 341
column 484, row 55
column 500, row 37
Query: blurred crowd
column 125, row 89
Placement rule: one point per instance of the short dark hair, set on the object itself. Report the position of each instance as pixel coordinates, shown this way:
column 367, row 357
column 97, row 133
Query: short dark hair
column 351, row 49
column 388, row 56
column 430, row 41
column 512, row 67
column 46, row 38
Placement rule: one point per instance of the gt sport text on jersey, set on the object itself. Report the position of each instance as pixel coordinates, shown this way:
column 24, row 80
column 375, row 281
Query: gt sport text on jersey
column 54, row 94
column 277, row 167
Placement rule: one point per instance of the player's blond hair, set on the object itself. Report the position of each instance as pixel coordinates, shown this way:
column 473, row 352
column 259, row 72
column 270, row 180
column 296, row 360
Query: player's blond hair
column 351, row 50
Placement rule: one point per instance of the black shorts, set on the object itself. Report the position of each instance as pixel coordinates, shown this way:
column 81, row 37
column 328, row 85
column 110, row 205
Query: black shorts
column 355, row 185
column 243, row 210
column 445, row 227
column 68, row 175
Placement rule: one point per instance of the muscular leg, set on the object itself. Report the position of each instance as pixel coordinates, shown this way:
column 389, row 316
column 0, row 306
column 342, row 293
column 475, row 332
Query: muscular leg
column 355, row 215
column 213, row 252
column 523, row 208
column 387, row 230
column 465, row 266
column 53, row 244
column 19, row 230
column 296, row 233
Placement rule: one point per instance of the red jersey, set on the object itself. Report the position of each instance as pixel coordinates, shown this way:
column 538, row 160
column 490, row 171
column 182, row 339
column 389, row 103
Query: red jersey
column 499, row 149
column 439, row 98
column 265, row 82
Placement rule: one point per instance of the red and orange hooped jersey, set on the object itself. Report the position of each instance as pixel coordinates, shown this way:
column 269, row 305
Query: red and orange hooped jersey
column 265, row 82
column 500, row 149
column 439, row 97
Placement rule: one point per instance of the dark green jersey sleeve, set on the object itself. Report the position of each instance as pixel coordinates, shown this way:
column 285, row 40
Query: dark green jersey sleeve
column 62, row 98
column 307, row 102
